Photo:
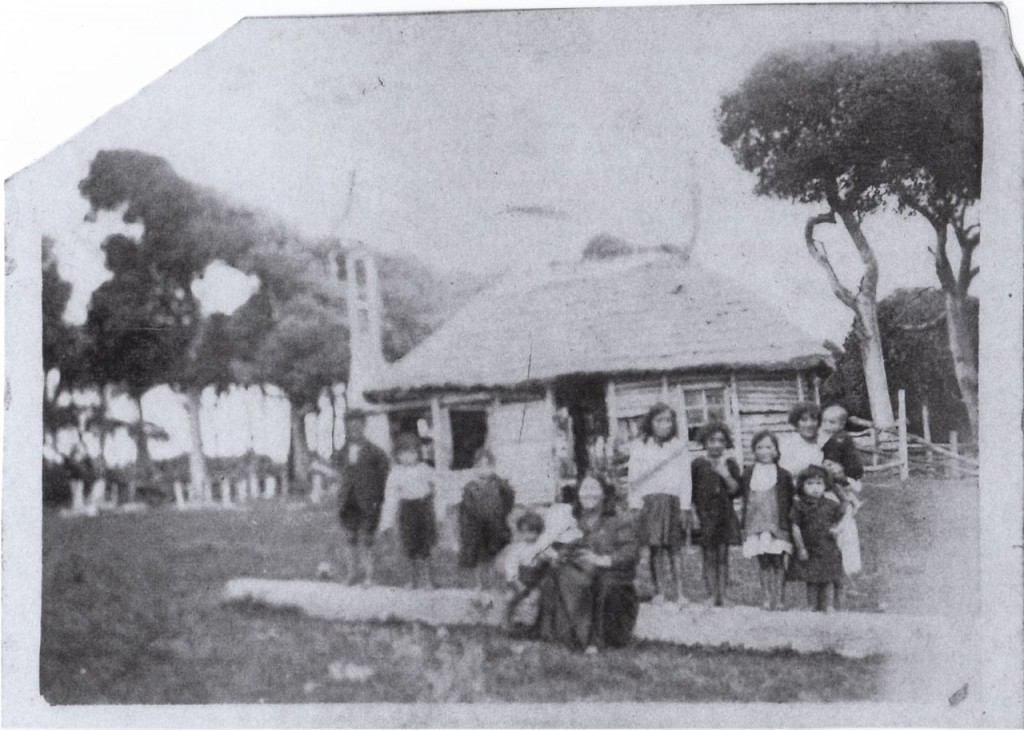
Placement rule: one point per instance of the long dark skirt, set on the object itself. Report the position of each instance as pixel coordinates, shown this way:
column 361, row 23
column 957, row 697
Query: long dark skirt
column 417, row 526
column 580, row 607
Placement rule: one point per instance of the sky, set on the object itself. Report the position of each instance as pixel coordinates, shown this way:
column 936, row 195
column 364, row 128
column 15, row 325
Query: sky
column 484, row 141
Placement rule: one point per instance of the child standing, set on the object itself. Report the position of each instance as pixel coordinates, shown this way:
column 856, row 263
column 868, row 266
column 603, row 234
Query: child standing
column 660, row 487
column 487, row 501
column 716, row 480
column 814, row 518
column 767, row 499
column 409, row 501
column 841, row 459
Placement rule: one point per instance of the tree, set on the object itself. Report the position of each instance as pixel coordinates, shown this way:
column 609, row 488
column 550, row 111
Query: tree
column 817, row 128
column 918, row 357
column 136, row 335
column 62, row 362
column 935, row 172
column 185, row 228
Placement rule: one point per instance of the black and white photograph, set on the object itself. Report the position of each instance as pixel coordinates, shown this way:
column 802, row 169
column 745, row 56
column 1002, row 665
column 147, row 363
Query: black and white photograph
column 556, row 367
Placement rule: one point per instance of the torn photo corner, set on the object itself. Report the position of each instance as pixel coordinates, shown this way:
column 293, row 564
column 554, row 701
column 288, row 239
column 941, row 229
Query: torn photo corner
column 344, row 311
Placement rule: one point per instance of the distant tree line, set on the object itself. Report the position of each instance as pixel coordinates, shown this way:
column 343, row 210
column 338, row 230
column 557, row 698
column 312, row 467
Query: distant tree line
column 145, row 326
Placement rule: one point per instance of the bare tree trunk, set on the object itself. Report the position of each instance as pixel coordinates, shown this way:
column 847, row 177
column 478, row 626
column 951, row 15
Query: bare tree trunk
column 299, row 446
column 863, row 303
column 875, row 378
column 196, row 458
column 961, row 346
column 143, row 460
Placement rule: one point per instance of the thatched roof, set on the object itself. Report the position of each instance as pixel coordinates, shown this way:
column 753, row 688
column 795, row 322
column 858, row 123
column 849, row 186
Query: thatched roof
column 643, row 313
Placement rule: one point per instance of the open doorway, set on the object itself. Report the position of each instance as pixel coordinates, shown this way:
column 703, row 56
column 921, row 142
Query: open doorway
column 583, row 398
column 469, row 433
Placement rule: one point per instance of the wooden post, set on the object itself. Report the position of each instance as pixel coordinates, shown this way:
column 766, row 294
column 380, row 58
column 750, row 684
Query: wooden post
column 954, row 446
column 904, row 456
column 817, row 390
column 799, row 386
column 926, row 426
column 612, row 407
column 269, row 486
column 442, row 435
column 736, row 419
column 874, row 446
column 316, row 491
column 225, row 492
column 684, row 425
column 179, row 495
column 241, row 491
column 77, row 496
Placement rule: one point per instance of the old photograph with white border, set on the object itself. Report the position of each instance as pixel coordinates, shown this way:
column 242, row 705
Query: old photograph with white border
column 558, row 367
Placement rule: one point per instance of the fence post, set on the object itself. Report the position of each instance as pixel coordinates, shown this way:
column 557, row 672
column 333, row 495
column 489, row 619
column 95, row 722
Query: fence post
column 874, row 446
column 904, row 456
column 954, row 446
column 926, row 425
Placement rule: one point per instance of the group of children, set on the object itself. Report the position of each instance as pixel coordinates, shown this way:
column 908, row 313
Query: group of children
column 799, row 527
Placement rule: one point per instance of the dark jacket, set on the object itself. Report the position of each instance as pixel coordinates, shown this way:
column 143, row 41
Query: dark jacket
column 841, row 449
column 784, row 492
column 363, row 480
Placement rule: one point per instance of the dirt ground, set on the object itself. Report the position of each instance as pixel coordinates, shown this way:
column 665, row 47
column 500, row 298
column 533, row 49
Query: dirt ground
column 131, row 613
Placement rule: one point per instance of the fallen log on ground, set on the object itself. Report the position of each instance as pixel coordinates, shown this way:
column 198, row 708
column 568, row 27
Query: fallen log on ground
column 848, row 634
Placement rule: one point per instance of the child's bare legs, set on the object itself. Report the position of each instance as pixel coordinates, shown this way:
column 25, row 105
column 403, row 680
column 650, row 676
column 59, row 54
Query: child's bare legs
column 709, row 569
column 721, row 573
column 837, row 596
column 775, row 581
column 654, row 556
column 427, row 571
column 764, row 575
column 675, row 560
column 366, row 556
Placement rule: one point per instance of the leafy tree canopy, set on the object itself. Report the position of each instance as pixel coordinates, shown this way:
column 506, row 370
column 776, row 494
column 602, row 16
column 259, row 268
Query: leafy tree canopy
column 844, row 126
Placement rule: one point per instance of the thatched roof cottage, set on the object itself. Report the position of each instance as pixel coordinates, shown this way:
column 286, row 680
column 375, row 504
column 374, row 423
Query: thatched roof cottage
column 572, row 356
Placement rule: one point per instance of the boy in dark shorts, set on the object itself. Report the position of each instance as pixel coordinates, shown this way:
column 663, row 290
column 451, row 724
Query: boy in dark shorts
column 363, row 468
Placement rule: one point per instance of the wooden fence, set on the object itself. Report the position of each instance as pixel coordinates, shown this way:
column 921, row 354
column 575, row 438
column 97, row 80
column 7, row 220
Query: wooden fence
column 896, row 448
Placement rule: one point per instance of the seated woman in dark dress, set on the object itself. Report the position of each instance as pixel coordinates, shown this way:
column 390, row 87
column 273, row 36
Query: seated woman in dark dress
column 587, row 598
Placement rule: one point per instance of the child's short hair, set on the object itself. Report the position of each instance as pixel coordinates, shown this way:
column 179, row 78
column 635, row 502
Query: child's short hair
column 647, row 425
column 709, row 429
column 802, row 409
column 814, row 471
column 837, row 407
column 530, row 522
column 407, row 442
column 761, row 436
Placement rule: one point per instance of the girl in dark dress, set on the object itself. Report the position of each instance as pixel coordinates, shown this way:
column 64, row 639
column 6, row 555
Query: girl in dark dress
column 716, row 480
column 814, row 519
column 587, row 598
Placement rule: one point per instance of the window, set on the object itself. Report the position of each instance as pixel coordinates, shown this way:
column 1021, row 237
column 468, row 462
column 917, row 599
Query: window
column 703, row 405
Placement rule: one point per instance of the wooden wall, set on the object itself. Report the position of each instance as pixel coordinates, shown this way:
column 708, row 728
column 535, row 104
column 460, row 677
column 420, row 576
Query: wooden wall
column 762, row 400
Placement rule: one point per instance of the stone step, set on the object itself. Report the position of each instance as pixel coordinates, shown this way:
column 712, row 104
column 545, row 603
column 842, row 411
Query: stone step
column 847, row 634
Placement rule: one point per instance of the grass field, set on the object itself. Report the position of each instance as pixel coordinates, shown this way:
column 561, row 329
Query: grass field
column 131, row 615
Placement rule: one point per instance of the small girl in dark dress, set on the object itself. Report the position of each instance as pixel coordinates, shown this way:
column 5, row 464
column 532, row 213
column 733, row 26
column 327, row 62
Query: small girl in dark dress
column 716, row 480
column 409, row 501
column 814, row 519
